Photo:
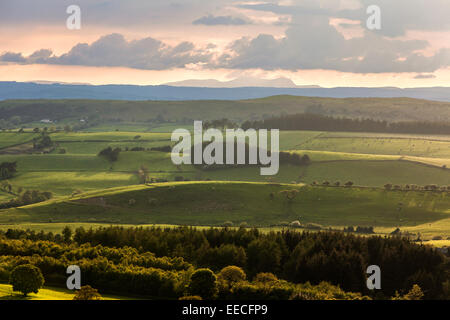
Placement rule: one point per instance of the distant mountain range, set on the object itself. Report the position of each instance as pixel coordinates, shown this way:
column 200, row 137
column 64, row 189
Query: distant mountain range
column 240, row 82
column 174, row 92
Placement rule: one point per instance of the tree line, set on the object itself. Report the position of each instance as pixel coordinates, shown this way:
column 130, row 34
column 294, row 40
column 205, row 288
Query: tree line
column 131, row 271
column 337, row 258
column 26, row 197
column 291, row 158
column 310, row 121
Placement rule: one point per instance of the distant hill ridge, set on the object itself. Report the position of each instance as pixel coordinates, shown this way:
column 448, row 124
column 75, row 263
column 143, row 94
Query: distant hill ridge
column 388, row 109
column 29, row 90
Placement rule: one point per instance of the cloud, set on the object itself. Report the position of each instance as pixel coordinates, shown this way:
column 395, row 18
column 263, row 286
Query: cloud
column 311, row 8
column 40, row 56
column 123, row 14
column 425, row 76
column 12, row 57
column 312, row 43
column 398, row 16
column 211, row 20
column 115, row 51
column 297, row 50
column 309, row 42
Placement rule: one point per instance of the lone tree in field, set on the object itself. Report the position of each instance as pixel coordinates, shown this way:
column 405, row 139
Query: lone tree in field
column 7, row 170
column 203, row 283
column 109, row 153
column 27, row 279
column 87, row 293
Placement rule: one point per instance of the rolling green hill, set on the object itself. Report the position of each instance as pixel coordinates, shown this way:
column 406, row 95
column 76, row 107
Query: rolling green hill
column 258, row 204
column 390, row 109
column 63, row 174
column 365, row 159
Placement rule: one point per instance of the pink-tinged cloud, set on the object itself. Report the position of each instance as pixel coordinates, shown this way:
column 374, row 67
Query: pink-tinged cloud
column 275, row 36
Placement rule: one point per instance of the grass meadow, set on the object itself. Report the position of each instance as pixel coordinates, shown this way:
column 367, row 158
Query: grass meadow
column 368, row 160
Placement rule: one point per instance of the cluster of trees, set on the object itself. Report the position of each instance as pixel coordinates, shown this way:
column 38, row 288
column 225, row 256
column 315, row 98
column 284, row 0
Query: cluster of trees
column 220, row 124
column 111, row 154
column 162, row 149
column 294, row 159
column 310, row 121
column 231, row 283
column 135, row 149
column 365, row 230
column 44, row 130
column 334, row 257
column 414, row 187
column 130, row 271
column 285, row 157
column 27, row 197
column 123, row 270
column 42, row 142
column 335, row 184
column 387, row 186
column 7, row 170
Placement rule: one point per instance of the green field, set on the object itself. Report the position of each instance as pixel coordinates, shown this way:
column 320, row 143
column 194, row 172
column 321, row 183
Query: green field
column 213, row 203
column 46, row 293
column 63, row 174
column 376, row 173
column 13, row 138
column 419, row 146
column 368, row 160
column 363, row 173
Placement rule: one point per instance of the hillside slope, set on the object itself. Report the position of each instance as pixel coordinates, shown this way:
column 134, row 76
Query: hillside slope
column 258, row 204
column 389, row 109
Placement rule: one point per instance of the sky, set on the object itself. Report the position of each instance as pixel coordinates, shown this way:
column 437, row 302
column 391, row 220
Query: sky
column 150, row 42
